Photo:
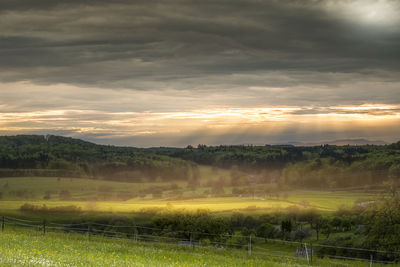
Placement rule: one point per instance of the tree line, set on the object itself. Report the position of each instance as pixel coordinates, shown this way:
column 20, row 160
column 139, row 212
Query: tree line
column 325, row 166
column 35, row 155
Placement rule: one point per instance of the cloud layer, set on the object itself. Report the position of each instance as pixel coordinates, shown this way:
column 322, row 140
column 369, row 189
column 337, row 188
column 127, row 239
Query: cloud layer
column 153, row 57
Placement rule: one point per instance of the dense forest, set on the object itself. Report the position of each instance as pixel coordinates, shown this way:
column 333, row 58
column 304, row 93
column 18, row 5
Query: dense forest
column 303, row 167
column 316, row 166
column 36, row 155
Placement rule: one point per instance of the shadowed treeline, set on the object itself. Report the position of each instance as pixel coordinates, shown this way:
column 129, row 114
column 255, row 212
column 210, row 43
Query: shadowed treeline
column 325, row 166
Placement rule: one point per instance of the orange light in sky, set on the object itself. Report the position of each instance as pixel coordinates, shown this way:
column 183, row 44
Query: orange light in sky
column 151, row 122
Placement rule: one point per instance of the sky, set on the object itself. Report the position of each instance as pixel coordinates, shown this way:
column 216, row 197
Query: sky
column 173, row 73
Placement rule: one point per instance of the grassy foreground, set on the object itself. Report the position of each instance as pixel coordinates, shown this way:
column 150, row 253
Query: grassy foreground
column 31, row 248
column 24, row 248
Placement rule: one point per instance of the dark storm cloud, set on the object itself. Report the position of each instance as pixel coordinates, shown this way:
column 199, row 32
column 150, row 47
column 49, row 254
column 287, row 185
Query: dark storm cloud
column 192, row 44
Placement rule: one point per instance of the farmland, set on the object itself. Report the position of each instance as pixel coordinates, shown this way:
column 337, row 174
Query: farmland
column 102, row 196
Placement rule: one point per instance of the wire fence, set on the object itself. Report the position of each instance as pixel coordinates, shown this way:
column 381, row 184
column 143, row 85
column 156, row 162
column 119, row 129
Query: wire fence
column 253, row 244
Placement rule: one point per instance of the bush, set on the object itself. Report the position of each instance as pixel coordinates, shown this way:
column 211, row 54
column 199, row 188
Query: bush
column 44, row 209
column 237, row 240
column 201, row 222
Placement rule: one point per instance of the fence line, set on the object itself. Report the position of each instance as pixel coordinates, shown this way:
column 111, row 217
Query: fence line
column 69, row 224
column 24, row 224
column 276, row 255
column 352, row 258
column 338, row 263
column 156, row 238
column 277, row 240
column 359, row 249
column 21, row 220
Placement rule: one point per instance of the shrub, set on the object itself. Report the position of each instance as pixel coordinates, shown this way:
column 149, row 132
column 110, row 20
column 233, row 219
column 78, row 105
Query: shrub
column 44, row 209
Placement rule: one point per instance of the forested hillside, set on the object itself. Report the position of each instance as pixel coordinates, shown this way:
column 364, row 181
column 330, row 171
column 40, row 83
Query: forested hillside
column 304, row 167
column 316, row 166
column 34, row 155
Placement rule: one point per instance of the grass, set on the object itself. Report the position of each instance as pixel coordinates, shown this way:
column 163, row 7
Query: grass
column 22, row 248
column 31, row 248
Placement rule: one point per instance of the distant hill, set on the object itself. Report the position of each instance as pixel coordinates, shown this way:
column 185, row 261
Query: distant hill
column 342, row 142
column 38, row 155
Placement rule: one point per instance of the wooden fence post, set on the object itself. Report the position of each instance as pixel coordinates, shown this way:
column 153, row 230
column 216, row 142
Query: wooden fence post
column 135, row 234
column 308, row 259
column 191, row 240
column 249, row 245
column 2, row 223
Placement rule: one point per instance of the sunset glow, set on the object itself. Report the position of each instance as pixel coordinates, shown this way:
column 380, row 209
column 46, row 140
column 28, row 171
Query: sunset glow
column 212, row 121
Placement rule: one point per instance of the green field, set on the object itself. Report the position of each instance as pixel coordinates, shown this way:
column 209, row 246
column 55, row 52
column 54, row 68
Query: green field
column 31, row 248
column 101, row 196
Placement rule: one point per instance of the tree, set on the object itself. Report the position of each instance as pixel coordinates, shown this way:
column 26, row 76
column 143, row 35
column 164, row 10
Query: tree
column 300, row 234
column 310, row 216
column 286, row 226
column 383, row 223
column 266, row 230
column 394, row 171
column 322, row 225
